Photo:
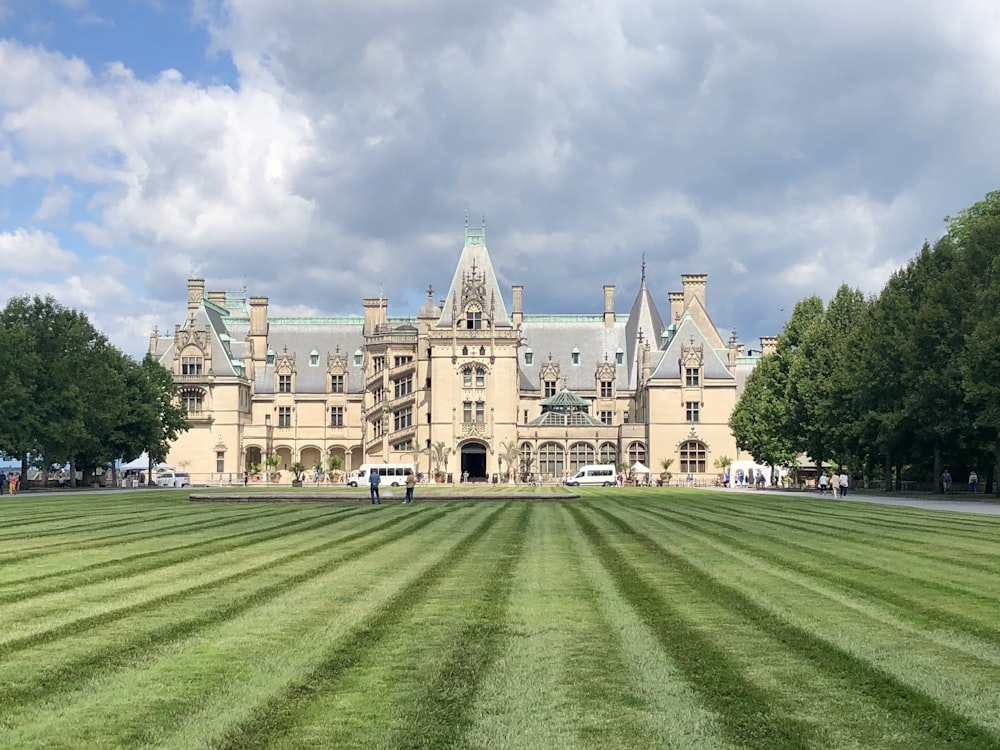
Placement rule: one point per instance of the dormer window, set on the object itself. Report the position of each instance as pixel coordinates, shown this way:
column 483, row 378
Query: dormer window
column 529, row 357
column 359, row 358
column 619, row 357
column 270, row 356
column 284, row 384
column 473, row 320
column 550, row 388
column 575, row 356
column 313, row 358
column 191, row 365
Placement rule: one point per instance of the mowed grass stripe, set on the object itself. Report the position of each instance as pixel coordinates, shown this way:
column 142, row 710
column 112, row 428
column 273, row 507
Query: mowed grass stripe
column 868, row 519
column 187, row 693
column 854, row 524
column 439, row 714
column 84, row 622
column 938, row 585
column 401, row 682
column 959, row 672
column 747, row 713
column 875, row 584
column 144, row 562
column 560, row 681
column 664, row 708
column 140, row 639
column 278, row 715
column 909, row 708
column 153, row 530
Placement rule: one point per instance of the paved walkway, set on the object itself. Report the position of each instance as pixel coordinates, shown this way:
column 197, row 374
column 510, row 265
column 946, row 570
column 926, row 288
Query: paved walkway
column 956, row 505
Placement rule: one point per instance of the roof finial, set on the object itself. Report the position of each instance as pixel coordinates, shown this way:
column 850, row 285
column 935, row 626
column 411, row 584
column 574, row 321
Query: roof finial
column 644, row 266
column 430, row 291
column 466, row 214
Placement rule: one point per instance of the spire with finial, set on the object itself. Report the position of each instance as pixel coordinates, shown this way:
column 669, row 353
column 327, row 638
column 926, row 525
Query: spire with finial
column 644, row 266
column 430, row 291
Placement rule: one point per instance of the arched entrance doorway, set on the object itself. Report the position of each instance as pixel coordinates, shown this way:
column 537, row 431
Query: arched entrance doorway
column 474, row 460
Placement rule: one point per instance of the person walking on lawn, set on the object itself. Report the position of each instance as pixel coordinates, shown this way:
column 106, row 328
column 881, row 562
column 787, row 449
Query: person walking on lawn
column 373, row 482
column 411, row 482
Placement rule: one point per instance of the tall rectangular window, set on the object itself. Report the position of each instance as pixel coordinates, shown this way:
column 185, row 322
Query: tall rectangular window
column 466, row 411
column 402, row 387
column 691, row 408
column 692, row 377
column 466, row 378
column 550, row 388
column 220, row 462
column 480, row 377
column 284, row 384
column 336, row 384
column 378, row 363
column 607, row 389
column 336, row 416
column 284, row 416
column 480, row 411
column 403, row 418
column 193, row 401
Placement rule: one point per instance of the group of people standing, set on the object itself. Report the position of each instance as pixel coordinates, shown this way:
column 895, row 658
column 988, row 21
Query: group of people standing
column 374, row 480
column 838, row 484
column 973, row 482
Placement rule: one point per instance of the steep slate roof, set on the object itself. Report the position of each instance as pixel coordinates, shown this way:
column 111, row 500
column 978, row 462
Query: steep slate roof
column 645, row 317
column 303, row 336
column 475, row 258
column 715, row 365
column 559, row 335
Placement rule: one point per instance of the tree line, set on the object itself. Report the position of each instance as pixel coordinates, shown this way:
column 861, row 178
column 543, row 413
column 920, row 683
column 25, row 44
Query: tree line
column 67, row 396
column 897, row 386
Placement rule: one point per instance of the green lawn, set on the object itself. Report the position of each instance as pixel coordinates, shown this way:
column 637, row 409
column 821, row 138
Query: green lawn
column 628, row 618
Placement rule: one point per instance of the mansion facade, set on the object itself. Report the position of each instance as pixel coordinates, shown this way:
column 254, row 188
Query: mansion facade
column 463, row 375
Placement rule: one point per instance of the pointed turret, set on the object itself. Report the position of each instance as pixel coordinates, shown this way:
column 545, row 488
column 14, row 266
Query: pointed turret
column 644, row 320
column 474, row 299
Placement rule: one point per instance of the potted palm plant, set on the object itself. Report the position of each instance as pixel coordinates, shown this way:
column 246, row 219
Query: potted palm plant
column 297, row 470
column 666, row 475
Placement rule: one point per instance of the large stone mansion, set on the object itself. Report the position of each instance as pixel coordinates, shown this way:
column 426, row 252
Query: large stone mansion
column 464, row 373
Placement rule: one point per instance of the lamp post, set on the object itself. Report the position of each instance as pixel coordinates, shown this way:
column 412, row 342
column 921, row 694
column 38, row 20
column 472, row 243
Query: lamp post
column 500, row 463
column 268, row 433
column 446, row 452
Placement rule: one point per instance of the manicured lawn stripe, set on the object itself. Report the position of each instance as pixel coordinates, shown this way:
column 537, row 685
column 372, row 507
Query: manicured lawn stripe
column 84, row 623
column 278, row 714
column 139, row 644
column 144, row 562
column 438, row 716
column 907, row 706
column 743, row 709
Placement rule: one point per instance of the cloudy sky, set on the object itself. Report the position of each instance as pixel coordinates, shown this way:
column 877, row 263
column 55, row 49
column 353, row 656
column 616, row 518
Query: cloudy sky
column 317, row 151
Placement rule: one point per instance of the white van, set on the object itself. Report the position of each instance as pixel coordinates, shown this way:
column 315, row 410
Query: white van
column 172, row 479
column 393, row 475
column 602, row 474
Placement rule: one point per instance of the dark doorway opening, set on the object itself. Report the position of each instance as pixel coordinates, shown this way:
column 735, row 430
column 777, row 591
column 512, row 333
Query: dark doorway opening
column 474, row 461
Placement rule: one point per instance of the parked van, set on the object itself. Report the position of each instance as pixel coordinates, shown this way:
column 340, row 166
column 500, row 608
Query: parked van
column 602, row 474
column 393, row 475
column 173, row 479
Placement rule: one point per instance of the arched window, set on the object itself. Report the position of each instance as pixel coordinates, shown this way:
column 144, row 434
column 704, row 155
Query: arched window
column 580, row 454
column 636, row 452
column 550, row 459
column 465, row 351
column 609, row 453
column 692, row 457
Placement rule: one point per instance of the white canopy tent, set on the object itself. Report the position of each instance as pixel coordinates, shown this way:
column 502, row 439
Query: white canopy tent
column 142, row 464
column 640, row 468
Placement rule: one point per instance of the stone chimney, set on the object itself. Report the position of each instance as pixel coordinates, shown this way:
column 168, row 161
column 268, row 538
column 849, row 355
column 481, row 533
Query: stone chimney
column 768, row 345
column 258, row 328
column 609, row 305
column 217, row 298
column 196, row 291
column 375, row 313
column 517, row 313
column 676, row 306
column 694, row 287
